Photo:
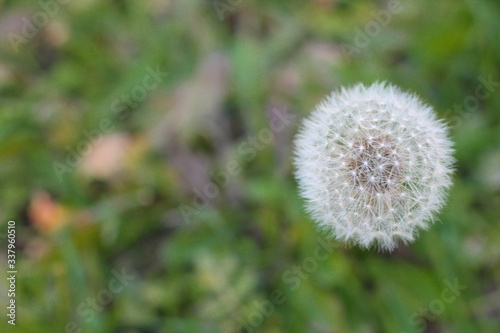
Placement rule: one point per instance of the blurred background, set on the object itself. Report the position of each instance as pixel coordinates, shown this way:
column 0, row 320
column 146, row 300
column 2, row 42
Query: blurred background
column 145, row 156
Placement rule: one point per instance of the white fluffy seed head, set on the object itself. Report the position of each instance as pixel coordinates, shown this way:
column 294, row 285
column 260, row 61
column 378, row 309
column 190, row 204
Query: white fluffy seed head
column 374, row 165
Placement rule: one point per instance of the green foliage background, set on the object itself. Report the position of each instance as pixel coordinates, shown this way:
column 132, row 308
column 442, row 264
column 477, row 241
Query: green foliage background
column 229, row 69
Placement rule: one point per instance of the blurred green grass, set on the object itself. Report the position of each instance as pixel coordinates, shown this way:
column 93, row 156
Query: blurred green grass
column 227, row 79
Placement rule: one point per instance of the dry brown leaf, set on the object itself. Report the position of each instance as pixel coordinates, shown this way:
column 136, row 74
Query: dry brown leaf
column 107, row 156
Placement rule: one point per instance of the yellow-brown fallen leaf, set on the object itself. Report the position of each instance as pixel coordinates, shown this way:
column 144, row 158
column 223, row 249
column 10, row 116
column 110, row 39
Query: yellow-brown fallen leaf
column 45, row 214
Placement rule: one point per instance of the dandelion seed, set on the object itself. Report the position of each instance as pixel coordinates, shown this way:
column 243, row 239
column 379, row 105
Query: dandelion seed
column 391, row 172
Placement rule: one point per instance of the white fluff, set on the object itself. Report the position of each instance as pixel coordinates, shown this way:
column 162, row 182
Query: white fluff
column 374, row 165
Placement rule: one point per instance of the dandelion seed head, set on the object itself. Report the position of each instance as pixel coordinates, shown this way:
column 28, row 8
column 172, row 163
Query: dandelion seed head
column 387, row 157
